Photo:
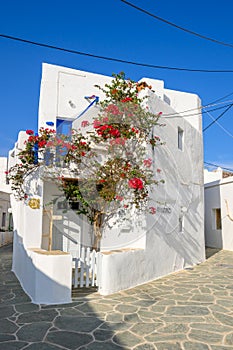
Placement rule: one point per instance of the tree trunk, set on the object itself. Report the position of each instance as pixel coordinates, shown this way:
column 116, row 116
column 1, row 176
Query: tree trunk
column 98, row 221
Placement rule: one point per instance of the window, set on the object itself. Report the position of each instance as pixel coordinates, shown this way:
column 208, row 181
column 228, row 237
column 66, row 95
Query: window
column 180, row 138
column 181, row 224
column 217, row 222
column 3, row 219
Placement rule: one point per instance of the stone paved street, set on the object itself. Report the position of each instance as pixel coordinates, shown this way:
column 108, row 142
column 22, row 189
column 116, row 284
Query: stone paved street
column 189, row 310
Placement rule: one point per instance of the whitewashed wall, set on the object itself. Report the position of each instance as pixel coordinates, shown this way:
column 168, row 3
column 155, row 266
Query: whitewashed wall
column 45, row 278
column 219, row 194
column 5, row 216
column 210, row 176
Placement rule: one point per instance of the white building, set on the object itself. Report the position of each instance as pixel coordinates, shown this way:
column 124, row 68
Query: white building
column 142, row 249
column 219, row 209
column 6, row 224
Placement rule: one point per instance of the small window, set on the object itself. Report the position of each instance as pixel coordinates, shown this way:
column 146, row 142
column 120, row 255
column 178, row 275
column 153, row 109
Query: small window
column 181, row 224
column 180, row 138
column 3, row 219
column 217, row 219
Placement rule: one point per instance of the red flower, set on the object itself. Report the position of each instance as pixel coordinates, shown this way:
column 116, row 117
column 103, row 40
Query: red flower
column 102, row 181
column 32, row 138
column 29, row 132
column 42, row 143
column 127, row 99
column 6, row 172
column 83, row 154
column 136, row 183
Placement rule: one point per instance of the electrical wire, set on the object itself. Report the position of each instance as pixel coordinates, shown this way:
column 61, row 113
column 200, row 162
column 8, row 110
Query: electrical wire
column 222, row 98
column 177, row 26
column 221, row 127
column 211, row 104
column 177, row 115
column 220, row 116
column 218, row 166
column 148, row 65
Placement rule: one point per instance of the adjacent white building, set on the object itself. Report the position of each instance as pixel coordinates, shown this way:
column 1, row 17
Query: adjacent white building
column 219, row 209
column 6, row 223
column 142, row 248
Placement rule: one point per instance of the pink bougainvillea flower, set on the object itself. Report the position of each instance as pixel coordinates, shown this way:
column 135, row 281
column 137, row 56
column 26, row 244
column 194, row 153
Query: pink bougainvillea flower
column 136, row 183
column 158, row 170
column 29, row 132
column 84, row 123
column 119, row 198
column 96, row 124
column 50, row 144
column 152, row 210
column 147, row 162
column 112, row 109
column 105, row 119
column 120, row 141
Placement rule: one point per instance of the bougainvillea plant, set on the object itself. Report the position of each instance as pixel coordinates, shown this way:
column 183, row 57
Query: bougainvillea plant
column 107, row 157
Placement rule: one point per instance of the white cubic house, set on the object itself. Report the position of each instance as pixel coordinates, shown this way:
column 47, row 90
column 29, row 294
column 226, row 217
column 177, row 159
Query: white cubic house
column 141, row 248
column 219, row 209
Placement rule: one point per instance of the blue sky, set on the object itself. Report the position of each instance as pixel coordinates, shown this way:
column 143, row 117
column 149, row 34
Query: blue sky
column 111, row 28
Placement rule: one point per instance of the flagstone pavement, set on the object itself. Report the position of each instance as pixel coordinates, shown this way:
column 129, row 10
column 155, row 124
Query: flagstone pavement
column 188, row 310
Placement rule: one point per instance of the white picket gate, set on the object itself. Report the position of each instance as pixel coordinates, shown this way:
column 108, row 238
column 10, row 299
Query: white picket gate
column 86, row 269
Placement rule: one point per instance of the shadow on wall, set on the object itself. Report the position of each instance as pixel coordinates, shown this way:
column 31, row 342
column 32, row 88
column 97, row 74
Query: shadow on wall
column 184, row 246
column 87, row 323
column 44, row 277
column 178, row 231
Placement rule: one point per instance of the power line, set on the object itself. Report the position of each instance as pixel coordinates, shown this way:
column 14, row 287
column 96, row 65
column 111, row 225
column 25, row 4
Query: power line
column 220, row 116
column 148, row 65
column 198, row 108
column 218, row 166
column 176, row 115
column 177, row 26
column 221, row 98
column 220, row 126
